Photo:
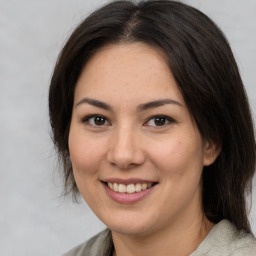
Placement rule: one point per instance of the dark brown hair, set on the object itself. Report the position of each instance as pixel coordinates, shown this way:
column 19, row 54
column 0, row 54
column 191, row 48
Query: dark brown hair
column 206, row 73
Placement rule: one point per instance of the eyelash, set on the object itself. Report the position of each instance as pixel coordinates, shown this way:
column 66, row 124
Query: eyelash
column 167, row 120
column 87, row 120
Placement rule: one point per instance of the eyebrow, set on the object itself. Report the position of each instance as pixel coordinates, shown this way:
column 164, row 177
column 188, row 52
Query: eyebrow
column 157, row 103
column 141, row 107
column 95, row 103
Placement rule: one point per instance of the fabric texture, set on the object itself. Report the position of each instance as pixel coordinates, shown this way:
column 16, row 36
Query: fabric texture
column 223, row 240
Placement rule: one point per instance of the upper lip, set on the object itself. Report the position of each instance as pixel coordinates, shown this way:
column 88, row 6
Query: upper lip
column 127, row 181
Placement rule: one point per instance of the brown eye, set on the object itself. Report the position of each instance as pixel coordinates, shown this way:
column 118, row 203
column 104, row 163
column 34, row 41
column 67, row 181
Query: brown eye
column 99, row 120
column 159, row 121
column 95, row 120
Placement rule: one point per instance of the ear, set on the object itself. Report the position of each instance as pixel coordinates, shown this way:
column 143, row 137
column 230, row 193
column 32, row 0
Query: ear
column 211, row 152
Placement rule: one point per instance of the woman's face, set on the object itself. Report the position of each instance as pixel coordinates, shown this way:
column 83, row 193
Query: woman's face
column 131, row 131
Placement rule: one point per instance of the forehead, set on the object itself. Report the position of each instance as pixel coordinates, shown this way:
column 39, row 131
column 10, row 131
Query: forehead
column 127, row 69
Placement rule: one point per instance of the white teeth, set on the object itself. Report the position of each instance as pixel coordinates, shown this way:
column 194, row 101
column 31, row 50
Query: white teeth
column 130, row 188
column 116, row 187
column 122, row 188
column 144, row 186
column 138, row 187
column 110, row 185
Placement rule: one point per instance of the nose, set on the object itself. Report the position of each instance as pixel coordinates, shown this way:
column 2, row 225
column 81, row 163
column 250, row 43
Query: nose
column 126, row 150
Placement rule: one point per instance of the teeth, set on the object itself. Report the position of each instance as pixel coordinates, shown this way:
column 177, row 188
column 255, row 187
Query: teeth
column 111, row 185
column 122, row 188
column 138, row 187
column 130, row 189
column 116, row 187
column 144, row 186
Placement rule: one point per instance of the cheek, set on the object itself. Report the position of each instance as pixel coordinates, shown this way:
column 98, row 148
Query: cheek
column 85, row 153
column 177, row 155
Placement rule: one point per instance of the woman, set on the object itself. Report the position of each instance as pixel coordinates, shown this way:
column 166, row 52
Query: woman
column 152, row 125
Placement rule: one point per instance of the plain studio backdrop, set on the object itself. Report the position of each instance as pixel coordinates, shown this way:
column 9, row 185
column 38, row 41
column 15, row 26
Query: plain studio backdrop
column 34, row 220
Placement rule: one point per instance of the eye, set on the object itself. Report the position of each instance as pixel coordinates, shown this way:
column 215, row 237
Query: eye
column 95, row 120
column 159, row 121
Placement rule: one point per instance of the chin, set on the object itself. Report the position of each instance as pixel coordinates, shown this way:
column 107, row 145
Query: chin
column 133, row 230
column 130, row 226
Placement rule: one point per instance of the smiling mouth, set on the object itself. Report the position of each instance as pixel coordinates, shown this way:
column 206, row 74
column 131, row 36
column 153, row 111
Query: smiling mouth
column 129, row 188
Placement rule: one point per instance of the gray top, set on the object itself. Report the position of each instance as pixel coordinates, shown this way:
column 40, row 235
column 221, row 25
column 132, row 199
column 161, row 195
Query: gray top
column 223, row 240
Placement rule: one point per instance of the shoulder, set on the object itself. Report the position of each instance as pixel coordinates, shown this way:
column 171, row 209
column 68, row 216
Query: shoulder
column 100, row 244
column 243, row 244
column 225, row 240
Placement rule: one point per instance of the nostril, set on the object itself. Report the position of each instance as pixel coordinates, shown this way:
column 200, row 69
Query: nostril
column 126, row 160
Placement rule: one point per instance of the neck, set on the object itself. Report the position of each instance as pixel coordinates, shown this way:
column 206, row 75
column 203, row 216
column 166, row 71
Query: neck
column 170, row 239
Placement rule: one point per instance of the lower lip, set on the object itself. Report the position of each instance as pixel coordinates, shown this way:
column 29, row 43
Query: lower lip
column 126, row 198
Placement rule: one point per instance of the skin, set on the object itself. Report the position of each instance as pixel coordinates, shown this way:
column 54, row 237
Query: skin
column 129, row 143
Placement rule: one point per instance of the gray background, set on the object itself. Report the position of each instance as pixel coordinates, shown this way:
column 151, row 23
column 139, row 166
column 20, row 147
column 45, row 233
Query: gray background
column 34, row 219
